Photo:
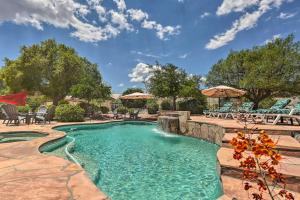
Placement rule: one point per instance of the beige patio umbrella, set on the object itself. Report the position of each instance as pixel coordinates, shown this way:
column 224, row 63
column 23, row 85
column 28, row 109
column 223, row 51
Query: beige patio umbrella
column 223, row 91
column 137, row 95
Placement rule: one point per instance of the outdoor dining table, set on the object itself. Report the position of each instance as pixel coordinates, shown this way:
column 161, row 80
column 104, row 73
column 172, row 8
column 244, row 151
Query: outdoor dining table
column 29, row 117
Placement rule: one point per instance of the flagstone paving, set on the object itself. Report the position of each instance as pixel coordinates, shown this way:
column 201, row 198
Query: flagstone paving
column 25, row 173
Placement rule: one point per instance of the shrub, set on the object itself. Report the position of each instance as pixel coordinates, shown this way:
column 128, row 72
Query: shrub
column 104, row 109
column 35, row 101
column 130, row 110
column 69, row 113
column 166, row 105
column 63, row 101
column 122, row 110
column 193, row 105
column 152, row 107
column 89, row 108
column 24, row 109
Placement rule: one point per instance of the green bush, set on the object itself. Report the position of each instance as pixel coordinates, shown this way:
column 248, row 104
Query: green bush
column 130, row 110
column 193, row 105
column 69, row 113
column 89, row 108
column 24, row 109
column 166, row 105
column 122, row 110
column 104, row 109
column 152, row 107
column 266, row 103
column 63, row 101
column 35, row 101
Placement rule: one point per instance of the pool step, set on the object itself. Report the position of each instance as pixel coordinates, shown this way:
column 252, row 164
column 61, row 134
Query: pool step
column 287, row 145
column 289, row 167
column 230, row 189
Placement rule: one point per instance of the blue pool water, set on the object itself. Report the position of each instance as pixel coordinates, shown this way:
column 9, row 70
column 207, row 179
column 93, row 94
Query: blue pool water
column 138, row 161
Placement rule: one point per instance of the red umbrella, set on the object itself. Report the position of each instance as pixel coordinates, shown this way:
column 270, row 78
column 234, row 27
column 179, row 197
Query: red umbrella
column 18, row 99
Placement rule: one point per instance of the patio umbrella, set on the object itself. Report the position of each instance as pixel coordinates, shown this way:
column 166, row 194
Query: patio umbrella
column 137, row 95
column 223, row 91
column 18, row 99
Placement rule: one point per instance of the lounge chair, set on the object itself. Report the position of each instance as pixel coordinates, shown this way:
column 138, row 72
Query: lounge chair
column 280, row 104
column 44, row 115
column 244, row 109
column 295, row 110
column 263, row 115
column 285, row 114
column 226, row 108
column 134, row 114
column 11, row 114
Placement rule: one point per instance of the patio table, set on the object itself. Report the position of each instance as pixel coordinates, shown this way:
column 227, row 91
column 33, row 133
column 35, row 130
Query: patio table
column 29, row 117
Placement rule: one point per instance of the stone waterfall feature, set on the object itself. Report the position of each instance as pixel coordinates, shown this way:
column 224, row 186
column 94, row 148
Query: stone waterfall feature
column 169, row 124
column 173, row 122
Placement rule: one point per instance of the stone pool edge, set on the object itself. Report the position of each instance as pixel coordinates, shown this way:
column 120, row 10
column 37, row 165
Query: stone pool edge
column 82, row 187
column 26, row 156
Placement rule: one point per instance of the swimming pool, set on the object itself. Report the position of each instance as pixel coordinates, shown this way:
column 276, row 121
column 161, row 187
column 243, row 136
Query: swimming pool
column 135, row 160
column 9, row 137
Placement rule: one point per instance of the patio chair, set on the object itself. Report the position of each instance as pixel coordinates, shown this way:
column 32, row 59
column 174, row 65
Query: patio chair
column 100, row 116
column 11, row 115
column 289, row 114
column 263, row 115
column 226, row 108
column 280, row 104
column 44, row 115
column 134, row 114
column 243, row 109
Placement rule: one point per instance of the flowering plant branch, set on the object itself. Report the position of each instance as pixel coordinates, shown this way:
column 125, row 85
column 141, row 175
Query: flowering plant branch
column 258, row 158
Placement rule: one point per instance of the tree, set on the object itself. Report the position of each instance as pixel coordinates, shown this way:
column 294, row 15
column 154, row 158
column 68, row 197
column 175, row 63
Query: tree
column 91, row 85
column 269, row 70
column 171, row 81
column 50, row 68
column 130, row 103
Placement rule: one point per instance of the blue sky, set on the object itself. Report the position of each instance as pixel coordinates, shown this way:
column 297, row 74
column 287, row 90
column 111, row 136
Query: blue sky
column 123, row 36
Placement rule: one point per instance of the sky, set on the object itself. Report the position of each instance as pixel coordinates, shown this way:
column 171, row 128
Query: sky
column 124, row 37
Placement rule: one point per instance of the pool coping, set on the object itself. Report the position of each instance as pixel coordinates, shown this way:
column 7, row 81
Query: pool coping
column 82, row 187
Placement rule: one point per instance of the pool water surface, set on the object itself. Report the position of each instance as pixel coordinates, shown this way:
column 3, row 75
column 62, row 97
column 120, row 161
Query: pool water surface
column 135, row 160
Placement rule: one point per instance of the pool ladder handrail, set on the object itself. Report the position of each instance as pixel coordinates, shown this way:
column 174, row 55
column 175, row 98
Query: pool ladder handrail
column 68, row 153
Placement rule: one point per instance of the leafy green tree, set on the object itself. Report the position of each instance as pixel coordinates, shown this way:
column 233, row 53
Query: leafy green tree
column 171, row 81
column 50, row 68
column 265, row 71
column 91, row 85
column 133, row 103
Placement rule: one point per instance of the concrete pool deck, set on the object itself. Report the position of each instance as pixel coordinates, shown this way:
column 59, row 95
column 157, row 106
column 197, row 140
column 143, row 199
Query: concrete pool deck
column 25, row 173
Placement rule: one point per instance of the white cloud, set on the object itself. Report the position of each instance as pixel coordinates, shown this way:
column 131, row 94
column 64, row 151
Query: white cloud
column 121, row 85
column 120, row 4
column 97, row 6
column 245, row 22
column 286, row 15
column 145, row 54
column 205, row 14
column 273, row 38
column 120, row 20
column 137, row 14
column 181, row 1
column 229, row 6
column 183, row 56
column 161, row 31
column 70, row 14
column 142, row 72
